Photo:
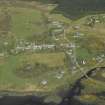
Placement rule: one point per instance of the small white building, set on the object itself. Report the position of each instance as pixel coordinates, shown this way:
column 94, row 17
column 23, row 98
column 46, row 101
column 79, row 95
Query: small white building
column 2, row 54
column 6, row 43
column 83, row 62
column 59, row 76
column 44, row 82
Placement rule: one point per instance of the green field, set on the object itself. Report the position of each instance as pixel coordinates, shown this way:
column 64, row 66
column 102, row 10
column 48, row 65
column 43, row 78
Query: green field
column 11, row 80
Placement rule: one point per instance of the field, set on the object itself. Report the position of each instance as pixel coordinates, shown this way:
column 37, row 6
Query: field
column 20, row 82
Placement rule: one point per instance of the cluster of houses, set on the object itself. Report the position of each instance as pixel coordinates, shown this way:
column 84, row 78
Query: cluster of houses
column 72, row 56
column 27, row 46
column 95, row 19
column 34, row 47
column 2, row 54
column 100, row 58
column 58, row 76
column 100, row 19
column 22, row 46
column 78, row 34
column 56, row 29
column 61, row 74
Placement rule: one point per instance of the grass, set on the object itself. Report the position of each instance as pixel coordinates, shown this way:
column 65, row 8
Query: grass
column 9, row 80
column 23, row 22
column 88, row 98
column 93, row 86
column 51, row 59
column 27, row 22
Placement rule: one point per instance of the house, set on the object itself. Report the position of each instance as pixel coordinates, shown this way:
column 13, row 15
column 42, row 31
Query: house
column 56, row 28
column 2, row 54
column 44, row 82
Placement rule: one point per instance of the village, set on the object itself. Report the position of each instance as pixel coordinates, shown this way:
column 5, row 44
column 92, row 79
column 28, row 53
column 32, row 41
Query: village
column 45, row 52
